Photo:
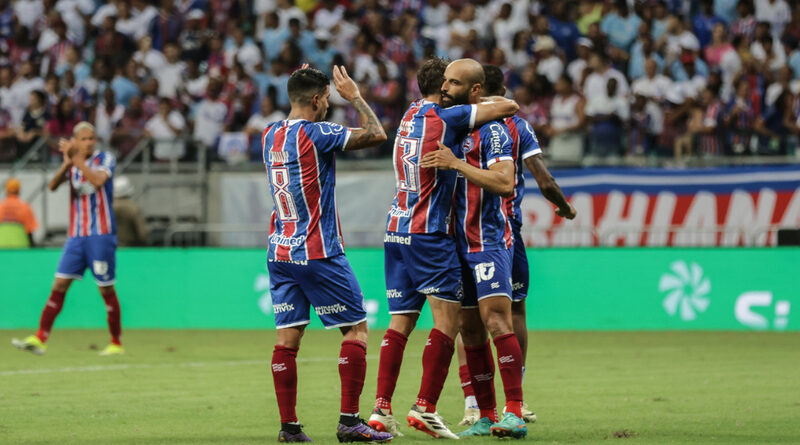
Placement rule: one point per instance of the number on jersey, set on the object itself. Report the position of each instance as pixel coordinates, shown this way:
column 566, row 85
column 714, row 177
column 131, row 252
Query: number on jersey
column 284, row 201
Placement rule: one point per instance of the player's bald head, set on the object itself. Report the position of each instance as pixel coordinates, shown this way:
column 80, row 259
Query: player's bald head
column 467, row 69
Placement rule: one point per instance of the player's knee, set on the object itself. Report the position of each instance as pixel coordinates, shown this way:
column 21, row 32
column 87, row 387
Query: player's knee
column 497, row 323
column 403, row 323
column 359, row 332
column 107, row 291
column 61, row 284
column 518, row 308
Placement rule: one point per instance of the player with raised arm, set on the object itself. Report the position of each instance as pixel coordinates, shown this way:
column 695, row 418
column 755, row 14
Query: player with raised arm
column 306, row 261
column 92, row 236
column 420, row 260
column 484, row 238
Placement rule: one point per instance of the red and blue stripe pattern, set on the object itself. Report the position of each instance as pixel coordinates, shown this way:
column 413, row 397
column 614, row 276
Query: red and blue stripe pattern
column 300, row 163
column 423, row 196
column 90, row 210
column 524, row 144
column 482, row 221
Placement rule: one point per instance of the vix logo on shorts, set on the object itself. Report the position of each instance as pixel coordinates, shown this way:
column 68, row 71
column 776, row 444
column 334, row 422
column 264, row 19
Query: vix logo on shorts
column 484, row 271
column 686, row 289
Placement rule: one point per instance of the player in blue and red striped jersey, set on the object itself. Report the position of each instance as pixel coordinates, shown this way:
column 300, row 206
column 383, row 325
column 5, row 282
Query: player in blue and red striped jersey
column 526, row 153
column 92, row 236
column 306, row 261
column 484, row 238
column 420, row 260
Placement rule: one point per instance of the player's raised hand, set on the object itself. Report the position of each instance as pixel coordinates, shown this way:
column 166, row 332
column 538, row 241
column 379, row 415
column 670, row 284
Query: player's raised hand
column 568, row 213
column 346, row 86
column 443, row 158
column 304, row 66
column 65, row 146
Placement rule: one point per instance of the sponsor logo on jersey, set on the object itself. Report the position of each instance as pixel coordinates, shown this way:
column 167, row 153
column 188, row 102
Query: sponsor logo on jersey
column 295, row 262
column 282, row 307
column 399, row 213
column 495, row 285
column 393, row 293
column 495, row 143
column 390, row 238
column 484, row 271
column 517, row 286
column 332, row 309
column 288, row 241
column 280, row 157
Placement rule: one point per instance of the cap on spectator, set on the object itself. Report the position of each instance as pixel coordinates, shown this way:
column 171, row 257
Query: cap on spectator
column 544, row 43
column 688, row 41
column 322, row 34
column 584, row 41
column 123, row 187
column 196, row 14
column 12, row 186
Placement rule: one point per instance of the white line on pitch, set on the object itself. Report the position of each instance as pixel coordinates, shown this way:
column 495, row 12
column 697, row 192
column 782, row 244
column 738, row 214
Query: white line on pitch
column 101, row 368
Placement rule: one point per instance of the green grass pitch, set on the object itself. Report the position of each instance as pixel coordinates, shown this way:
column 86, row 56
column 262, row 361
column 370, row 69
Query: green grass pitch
column 213, row 387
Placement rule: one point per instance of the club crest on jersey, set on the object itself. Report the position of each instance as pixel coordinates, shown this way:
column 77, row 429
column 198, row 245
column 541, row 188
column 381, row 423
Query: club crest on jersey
column 468, row 145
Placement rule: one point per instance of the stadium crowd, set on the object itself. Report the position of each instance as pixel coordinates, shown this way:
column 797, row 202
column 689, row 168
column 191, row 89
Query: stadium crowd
column 599, row 78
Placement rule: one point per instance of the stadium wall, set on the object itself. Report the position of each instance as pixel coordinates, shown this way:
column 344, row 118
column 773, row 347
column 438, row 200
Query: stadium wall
column 571, row 289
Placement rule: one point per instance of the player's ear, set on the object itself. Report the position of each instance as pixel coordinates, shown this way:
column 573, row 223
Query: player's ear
column 315, row 102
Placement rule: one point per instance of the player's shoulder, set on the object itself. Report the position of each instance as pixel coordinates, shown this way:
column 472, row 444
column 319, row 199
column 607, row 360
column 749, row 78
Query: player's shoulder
column 323, row 128
column 103, row 156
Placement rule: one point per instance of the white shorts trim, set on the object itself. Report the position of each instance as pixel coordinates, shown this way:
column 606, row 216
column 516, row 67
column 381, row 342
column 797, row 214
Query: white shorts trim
column 496, row 295
column 412, row 311
column 291, row 325
column 69, row 276
column 350, row 323
column 105, row 283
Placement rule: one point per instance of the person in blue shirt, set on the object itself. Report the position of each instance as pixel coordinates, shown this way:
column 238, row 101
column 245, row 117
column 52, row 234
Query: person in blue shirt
column 703, row 23
column 272, row 37
column 322, row 55
column 125, row 88
column 641, row 50
column 726, row 10
column 563, row 30
column 621, row 26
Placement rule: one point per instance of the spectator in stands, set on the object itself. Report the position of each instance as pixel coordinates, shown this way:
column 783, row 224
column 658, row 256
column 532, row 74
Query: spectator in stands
column 567, row 121
column 643, row 49
column 170, row 76
column 711, row 129
column 745, row 23
column 602, row 71
column 107, row 116
column 34, row 120
column 774, row 12
column 148, row 60
column 8, row 135
column 194, row 38
column 131, row 227
column 16, row 212
column 621, row 26
column 258, row 122
column 653, row 86
column 210, row 117
column 130, row 129
column 61, row 123
column 21, row 89
column 740, row 117
column 718, row 47
column 125, row 83
column 704, row 23
column 166, row 128
column 548, row 65
column 608, row 114
column 770, row 126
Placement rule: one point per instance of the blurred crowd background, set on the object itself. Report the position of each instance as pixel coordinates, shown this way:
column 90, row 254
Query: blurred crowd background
column 597, row 79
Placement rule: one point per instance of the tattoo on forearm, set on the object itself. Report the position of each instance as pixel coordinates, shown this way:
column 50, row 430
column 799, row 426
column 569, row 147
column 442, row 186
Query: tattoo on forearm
column 372, row 127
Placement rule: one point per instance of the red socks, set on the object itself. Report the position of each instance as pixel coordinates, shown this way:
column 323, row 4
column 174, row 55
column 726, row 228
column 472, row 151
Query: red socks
column 352, row 372
column 466, row 381
column 435, row 365
column 509, row 358
column 481, row 370
column 49, row 314
column 114, row 316
column 284, row 374
column 392, row 347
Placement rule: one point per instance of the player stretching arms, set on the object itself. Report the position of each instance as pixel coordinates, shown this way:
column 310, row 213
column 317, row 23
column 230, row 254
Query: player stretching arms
column 306, row 261
column 484, row 237
column 92, row 234
column 420, row 260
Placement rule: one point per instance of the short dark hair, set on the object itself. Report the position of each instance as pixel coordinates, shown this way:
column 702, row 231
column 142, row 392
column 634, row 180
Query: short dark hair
column 305, row 84
column 430, row 76
column 493, row 83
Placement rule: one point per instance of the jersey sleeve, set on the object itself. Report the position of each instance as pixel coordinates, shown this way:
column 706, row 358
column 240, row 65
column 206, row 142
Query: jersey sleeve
column 496, row 143
column 108, row 163
column 528, row 143
column 460, row 118
column 327, row 136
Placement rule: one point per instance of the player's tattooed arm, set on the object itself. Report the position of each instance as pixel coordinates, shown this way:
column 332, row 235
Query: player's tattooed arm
column 493, row 108
column 64, row 146
column 549, row 187
column 498, row 179
column 371, row 133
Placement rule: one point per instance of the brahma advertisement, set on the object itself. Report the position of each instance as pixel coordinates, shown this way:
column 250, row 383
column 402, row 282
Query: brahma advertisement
column 734, row 206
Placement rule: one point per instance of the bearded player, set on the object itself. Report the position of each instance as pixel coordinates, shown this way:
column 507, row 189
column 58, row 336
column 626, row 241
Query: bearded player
column 484, row 239
column 306, row 261
column 92, row 241
column 420, row 260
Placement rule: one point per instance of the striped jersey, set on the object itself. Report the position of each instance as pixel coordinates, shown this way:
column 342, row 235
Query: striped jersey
column 481, row 217
column 299, row 156
column 524, row 144
column 423, row 196
column 90, row 211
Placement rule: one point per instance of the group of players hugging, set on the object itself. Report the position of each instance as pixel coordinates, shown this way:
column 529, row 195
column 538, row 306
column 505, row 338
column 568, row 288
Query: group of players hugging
column 452, row 240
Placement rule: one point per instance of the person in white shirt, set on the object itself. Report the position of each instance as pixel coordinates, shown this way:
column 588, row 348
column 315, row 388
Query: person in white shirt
column 170, row 76
column 601, row 72
column 328, row 15
column 28, row 11
column 210, row 116
column 75, row 13
column 106, row 10
column 769, row 51
column 21, row 89
column 567, row 121
column 166, row 127
column 575, row 69
column 144, row 13
column 608, row 112
column 653, row 85
column 259, row 121
column 148, row 58
column 287, row 11
column 549, row 65
column 107, row 116
column 774, row 12
column 435, row 13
